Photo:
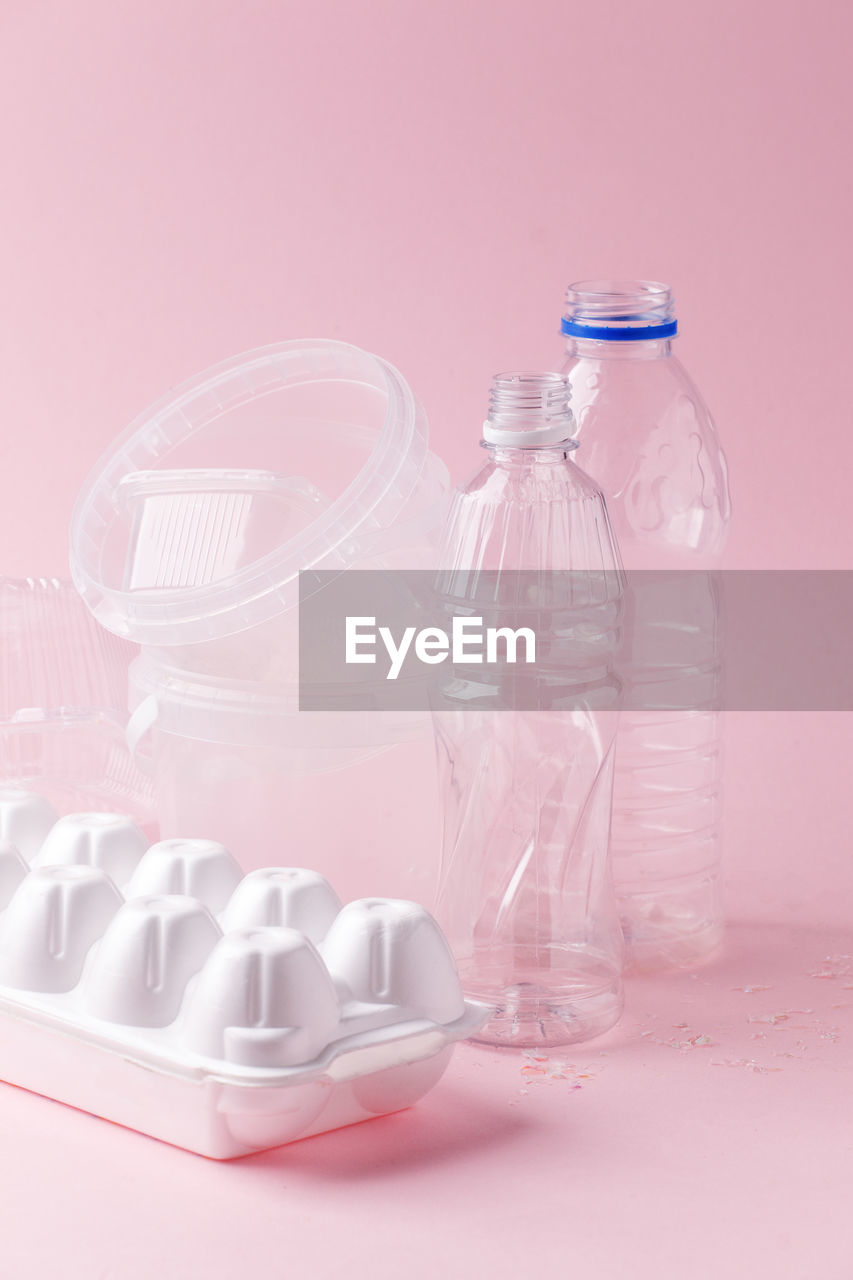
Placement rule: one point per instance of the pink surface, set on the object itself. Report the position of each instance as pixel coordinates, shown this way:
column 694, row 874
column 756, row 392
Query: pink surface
column 186, row 180
column 706, row 1136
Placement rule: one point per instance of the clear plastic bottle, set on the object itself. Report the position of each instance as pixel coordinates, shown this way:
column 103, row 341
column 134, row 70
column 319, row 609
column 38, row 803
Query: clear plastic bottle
column 526, row 895
column 649, row 440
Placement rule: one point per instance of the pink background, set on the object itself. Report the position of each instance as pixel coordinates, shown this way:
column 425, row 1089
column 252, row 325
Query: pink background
column 184, row 179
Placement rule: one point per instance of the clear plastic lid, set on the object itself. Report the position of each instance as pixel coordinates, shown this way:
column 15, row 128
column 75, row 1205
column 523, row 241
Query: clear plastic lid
column 195, row 524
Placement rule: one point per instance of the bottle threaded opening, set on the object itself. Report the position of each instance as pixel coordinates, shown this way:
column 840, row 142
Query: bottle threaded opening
column 619, row 310
column 529, row 409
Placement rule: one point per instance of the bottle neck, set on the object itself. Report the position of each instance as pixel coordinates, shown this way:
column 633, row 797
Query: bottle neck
column 593, row 349
column 543, row 456
column 619, row 320
column 529, row 412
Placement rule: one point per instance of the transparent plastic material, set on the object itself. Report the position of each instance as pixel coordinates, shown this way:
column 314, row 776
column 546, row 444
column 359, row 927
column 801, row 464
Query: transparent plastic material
column 189, row 536
column 191, row 531
column 160, row 988
column 648, row 438
column 63, row 703
column 525, row 897
column 356, row 792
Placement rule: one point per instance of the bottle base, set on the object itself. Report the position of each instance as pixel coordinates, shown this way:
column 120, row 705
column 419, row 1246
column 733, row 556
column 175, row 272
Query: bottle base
column 671, row 925
column 656, row 946
column 528, row 1015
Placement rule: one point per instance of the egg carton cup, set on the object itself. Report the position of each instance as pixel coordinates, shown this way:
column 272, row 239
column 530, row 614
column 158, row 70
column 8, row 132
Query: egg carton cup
column 161, row 988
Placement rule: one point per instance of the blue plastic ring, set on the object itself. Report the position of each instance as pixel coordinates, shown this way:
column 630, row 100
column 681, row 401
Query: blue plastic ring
column 615, row 333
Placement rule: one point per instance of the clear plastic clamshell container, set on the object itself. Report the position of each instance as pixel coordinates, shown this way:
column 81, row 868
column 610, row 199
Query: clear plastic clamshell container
column 63, row 703
column 160, row 988
column 189, row 536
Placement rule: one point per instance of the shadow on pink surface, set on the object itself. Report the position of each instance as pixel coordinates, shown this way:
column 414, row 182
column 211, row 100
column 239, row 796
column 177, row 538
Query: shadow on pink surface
column 716, row 1112
column 457, row 1123
column 777, row 1001
column 705, row 1137
column 774, row 1008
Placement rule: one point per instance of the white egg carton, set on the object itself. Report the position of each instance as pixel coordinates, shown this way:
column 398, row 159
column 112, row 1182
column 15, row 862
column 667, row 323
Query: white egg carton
column 162, row 989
